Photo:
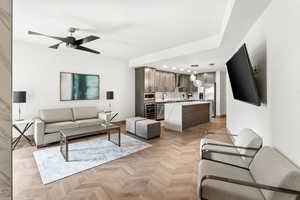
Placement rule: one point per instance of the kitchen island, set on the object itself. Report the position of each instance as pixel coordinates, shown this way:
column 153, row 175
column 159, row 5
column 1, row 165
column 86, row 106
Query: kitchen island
column 182, row 115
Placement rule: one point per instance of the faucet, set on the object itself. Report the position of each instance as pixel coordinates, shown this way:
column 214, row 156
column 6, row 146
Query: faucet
column 163, row 96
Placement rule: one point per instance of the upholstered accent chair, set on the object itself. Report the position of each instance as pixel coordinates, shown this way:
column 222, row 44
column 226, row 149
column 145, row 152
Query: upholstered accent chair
column 270, row 176
column 245, row 145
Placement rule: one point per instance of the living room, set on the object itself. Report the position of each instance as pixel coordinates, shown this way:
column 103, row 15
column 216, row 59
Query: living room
column 119, row 106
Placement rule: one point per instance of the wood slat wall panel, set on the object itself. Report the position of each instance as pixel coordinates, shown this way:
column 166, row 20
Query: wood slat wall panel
column 5, row 100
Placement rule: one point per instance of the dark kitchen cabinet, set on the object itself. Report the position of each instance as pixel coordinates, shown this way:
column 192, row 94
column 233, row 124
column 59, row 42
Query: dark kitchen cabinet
column 192, row 87
column 149, row 80
column 144, row 85
column 206, row 78
column 164, row 81
column 185, row 84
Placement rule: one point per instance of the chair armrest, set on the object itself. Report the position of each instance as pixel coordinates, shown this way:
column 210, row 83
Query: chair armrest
column 229, row 134
column 39, row 132
column 230, row 146
column 247, row 184
column 228, row 153
column 207, row 132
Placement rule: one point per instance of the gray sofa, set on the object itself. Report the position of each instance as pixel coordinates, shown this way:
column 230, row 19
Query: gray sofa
column 270, row 176
column 50, row 121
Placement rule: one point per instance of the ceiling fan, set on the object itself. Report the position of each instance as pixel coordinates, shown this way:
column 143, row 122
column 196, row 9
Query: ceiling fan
column 71, row 41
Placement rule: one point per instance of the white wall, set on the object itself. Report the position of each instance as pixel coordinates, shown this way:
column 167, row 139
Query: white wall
column 220, row 93
column 36, row 69
column 276, row 121
column 241, row 114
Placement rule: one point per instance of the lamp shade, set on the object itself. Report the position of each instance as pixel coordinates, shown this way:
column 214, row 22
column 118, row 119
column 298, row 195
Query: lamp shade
column 19, row 97
column 110, row 95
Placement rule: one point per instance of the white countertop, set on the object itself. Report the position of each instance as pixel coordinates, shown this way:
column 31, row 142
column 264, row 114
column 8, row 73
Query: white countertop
column 188, row 103
column 174, row 100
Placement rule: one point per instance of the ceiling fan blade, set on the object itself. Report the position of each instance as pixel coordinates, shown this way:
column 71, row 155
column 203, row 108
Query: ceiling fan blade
column 55, row 46
column 87, row 49
column 86, row 39
column 49, row 36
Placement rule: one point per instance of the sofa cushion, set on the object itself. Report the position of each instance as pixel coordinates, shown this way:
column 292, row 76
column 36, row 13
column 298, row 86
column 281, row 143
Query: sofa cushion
column 55, row 127
column 85, row 113
column 247, row 138
column 89, row 122
column 234, row 160
column 218, row 190
column 56, row 115
column 271, row 168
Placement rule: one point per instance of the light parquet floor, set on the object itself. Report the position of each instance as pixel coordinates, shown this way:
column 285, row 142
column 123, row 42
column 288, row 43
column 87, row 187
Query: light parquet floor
column 166, row 171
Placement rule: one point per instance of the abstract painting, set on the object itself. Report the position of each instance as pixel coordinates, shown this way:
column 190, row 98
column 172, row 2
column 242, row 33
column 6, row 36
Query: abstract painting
column 75, row 86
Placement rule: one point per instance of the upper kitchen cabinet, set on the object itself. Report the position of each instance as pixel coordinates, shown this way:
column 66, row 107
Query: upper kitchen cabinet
column 192, row 87
column 207, row 78
column 145, row 79
column 164, row 81
column 170, row 82
column 184, row 82
column 159, row 77
column 149, row 80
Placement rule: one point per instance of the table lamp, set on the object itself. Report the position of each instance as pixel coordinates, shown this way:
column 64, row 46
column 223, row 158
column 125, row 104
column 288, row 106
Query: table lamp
column 110, row 96
column 19, row 97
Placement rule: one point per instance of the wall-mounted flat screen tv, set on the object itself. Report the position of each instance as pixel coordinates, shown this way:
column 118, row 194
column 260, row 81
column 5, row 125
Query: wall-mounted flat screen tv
column 241, row 77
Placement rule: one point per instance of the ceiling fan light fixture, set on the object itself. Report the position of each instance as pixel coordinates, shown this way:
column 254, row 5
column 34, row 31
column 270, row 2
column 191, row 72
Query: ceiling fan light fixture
column 73, row 46
column 72, row 29
column 70, row 41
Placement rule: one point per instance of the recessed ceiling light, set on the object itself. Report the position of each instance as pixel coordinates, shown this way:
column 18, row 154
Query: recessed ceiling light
column 188, row 71
column 211, row 64
column 181, row 69
column 194, row 65
column 174, row 68
column 165, row 66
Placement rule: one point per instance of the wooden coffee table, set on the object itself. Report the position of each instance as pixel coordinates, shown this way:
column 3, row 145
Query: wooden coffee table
column 72, row 133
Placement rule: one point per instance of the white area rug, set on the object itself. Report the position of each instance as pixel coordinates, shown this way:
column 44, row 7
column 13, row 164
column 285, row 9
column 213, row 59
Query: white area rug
column 82, row 156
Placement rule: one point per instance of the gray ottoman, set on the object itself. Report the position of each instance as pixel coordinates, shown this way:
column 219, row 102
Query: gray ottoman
column 131, row 124
column 147, row 129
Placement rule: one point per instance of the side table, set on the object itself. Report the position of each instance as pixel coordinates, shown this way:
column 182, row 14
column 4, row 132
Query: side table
column 16, row 124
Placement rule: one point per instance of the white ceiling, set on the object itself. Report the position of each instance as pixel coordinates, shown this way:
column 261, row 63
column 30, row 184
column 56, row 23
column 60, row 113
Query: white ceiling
column 129, row 29
column 243, row 14
column 175, row 33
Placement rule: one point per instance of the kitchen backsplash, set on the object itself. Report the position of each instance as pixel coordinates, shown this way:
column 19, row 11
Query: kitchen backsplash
column 174, row 95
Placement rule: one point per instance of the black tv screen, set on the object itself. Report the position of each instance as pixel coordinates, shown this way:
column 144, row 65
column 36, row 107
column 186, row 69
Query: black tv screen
column 241, row 77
